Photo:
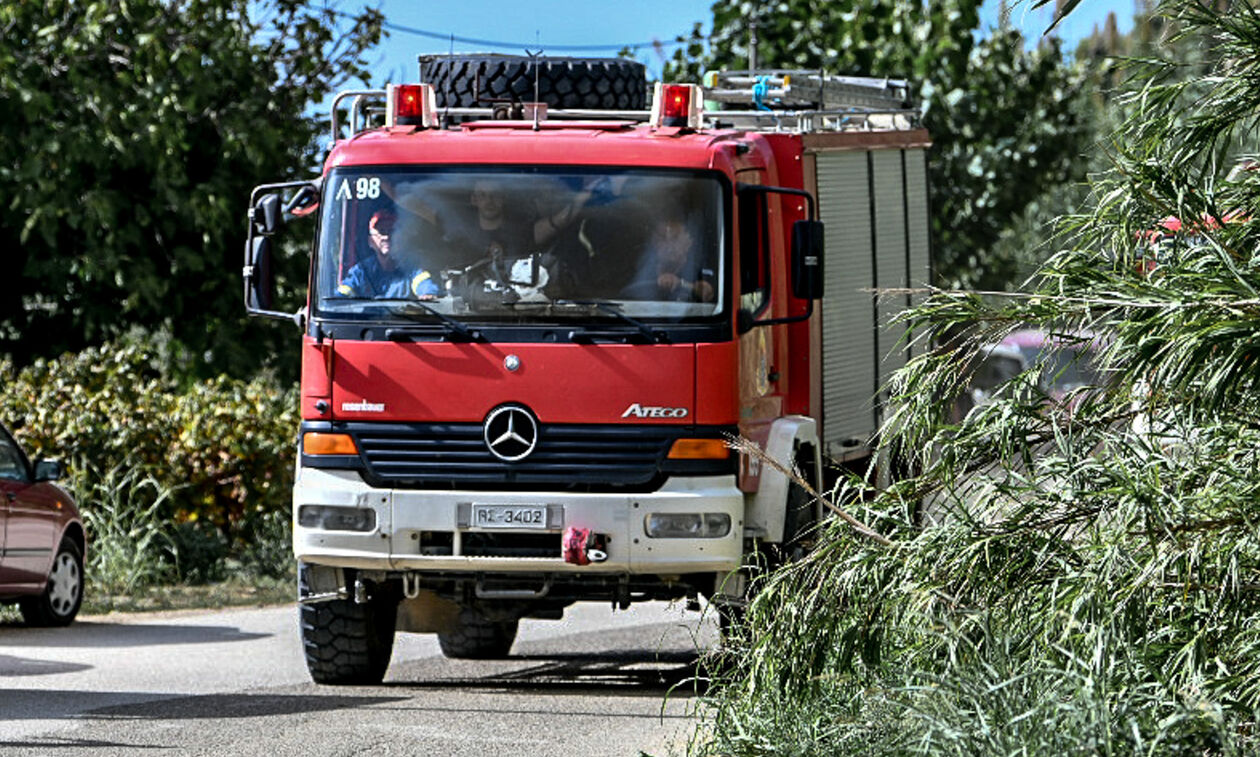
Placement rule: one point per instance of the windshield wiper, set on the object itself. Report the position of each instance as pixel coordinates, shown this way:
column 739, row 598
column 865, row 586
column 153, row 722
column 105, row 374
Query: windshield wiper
column 412, row 308
column 614, row 309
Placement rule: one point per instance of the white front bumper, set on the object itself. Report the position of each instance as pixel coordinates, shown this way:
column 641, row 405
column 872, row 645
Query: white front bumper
column 401, row 514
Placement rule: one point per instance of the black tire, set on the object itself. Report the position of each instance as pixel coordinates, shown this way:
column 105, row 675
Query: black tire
column 482, row 81
column 799, row 524
column 63, row 595
column 345, row 643
column 476, row 637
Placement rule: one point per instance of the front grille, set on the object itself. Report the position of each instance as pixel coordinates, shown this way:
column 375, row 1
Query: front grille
column 454, row 455
column 477, row 544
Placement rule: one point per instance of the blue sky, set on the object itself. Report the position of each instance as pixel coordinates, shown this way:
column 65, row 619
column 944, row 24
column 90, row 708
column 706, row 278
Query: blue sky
column 552, row 23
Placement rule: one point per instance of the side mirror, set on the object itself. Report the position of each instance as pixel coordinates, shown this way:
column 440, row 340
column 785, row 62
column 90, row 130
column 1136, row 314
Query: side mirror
column 259, row 279
column 266, row 215
column 807, row 260
column 49, row 470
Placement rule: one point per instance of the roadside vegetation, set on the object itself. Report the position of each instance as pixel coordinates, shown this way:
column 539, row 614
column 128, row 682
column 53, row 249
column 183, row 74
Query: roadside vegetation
column 1078, row 577
column 181, row 481
column 133, row 133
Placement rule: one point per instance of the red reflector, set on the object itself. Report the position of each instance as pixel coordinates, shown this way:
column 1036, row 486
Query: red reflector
column 676, row 101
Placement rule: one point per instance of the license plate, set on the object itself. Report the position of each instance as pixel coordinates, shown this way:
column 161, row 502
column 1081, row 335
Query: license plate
column 509, row 516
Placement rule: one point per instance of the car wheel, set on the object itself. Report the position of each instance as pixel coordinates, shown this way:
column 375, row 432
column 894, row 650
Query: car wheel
column 63, row 595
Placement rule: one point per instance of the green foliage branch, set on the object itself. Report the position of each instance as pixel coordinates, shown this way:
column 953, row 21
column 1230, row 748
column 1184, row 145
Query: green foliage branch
column 1065, row 576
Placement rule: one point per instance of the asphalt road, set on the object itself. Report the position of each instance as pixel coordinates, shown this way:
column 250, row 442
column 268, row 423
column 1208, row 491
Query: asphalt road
column 234, row 682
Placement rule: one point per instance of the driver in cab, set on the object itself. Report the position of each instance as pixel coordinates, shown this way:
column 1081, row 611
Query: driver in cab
column 382, row 275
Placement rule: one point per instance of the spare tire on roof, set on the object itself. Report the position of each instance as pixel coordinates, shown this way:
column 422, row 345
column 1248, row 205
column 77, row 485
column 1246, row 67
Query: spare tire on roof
column 486, row 80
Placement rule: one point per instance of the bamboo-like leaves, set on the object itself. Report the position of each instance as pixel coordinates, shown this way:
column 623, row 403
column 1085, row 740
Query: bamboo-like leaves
column 1079, row 574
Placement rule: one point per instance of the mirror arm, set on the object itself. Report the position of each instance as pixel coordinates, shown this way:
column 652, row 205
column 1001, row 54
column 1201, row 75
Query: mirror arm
column 278, row 315
column 811, row 213
column 809, row 311
column 262, row 189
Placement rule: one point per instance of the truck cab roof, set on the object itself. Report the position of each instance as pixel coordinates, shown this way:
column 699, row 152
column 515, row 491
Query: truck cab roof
column 571, row 143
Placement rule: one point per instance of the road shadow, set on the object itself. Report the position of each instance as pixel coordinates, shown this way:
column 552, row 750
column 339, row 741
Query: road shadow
column 16, row 667
column 233, row 706
column 623, row 672
column 115, row 635
column 55, row 742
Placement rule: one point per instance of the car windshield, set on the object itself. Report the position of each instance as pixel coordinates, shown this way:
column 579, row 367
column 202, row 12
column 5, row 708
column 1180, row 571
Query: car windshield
column 521, row 245
column 1062, row 368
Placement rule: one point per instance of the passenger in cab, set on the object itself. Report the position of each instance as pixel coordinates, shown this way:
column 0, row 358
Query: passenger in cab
column 672, row 268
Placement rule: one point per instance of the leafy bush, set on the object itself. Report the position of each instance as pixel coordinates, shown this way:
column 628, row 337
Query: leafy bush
column 199, row 552
column 268, row 547
column 220, row 450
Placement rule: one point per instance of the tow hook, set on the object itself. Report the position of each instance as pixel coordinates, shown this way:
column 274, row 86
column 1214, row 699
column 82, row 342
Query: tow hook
column 581, row 547
column 411, row 585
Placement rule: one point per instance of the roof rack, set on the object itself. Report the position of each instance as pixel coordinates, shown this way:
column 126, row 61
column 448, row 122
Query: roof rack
column 801, row 100
column 780, row 100
column 806, row 90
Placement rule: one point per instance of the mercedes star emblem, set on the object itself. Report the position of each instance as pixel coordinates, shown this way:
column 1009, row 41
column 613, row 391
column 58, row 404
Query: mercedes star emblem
column 511, row 362
column 511, row 432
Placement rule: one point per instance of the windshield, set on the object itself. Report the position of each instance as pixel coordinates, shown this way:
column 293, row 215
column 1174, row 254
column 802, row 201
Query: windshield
column 521, row 245
column 1063, row 368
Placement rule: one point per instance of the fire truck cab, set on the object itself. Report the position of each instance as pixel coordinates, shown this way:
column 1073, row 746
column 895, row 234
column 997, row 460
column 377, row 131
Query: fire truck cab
column 531, row 341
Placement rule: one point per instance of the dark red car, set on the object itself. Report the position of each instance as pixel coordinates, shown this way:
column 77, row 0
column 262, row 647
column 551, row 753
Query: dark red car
column 41, row 539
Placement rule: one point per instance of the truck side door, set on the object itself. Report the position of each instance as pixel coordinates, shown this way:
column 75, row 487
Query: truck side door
column 761, row 400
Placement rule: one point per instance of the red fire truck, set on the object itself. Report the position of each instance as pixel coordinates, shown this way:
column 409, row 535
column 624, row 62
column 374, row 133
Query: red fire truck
column 538, row 313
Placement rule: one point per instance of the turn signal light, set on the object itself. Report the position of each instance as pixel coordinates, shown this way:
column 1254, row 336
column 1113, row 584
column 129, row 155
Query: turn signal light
column 410, row 105
column 316, row 443
column 699, row 449
column 676, row 105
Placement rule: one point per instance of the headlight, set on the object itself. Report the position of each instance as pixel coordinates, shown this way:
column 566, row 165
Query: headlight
column 687, row 525
column 331, row 518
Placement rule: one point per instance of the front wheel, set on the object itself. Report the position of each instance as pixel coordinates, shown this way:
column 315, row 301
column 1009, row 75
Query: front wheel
column 63, row 595
column 347, row 643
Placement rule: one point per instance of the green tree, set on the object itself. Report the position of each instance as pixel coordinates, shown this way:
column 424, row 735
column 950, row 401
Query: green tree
column 1007, row 122
column 131, row 133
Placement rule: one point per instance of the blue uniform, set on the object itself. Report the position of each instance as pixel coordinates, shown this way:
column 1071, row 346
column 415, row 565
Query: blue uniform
column 369, row 279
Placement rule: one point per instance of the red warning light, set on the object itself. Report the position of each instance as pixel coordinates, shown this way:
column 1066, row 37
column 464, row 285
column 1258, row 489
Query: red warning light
column 677, row 102
column 676, row 105
column 410, row 105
